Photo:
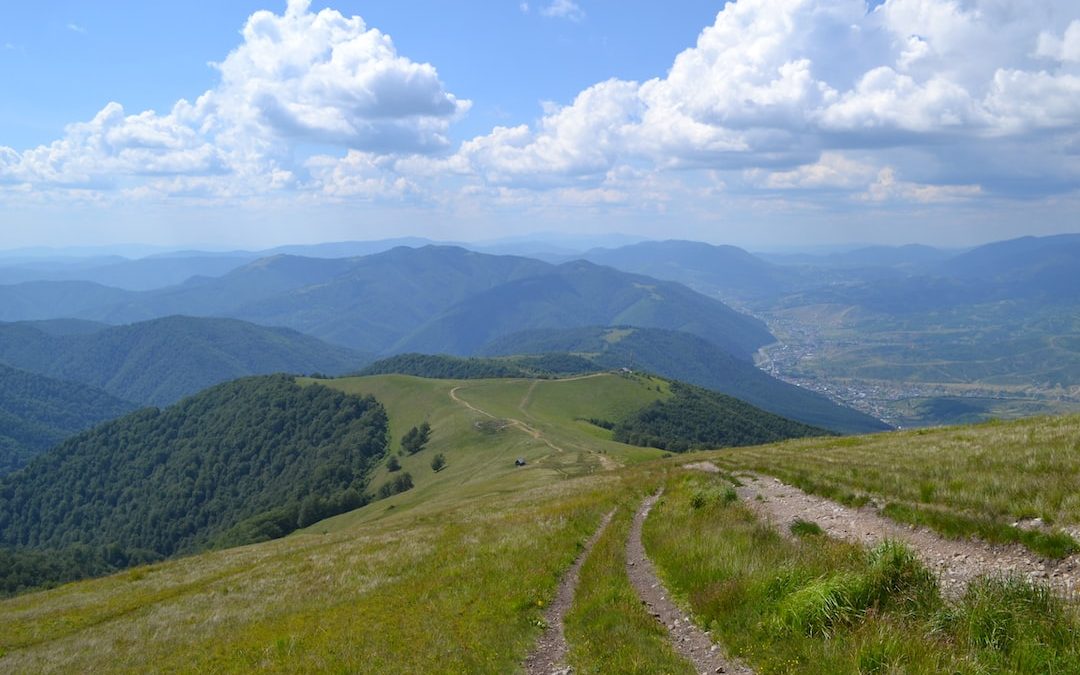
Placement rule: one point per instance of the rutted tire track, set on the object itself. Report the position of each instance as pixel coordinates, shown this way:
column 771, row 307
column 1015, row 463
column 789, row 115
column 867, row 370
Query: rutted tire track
column 689, row 641
column 956, row 562
column 549, row 655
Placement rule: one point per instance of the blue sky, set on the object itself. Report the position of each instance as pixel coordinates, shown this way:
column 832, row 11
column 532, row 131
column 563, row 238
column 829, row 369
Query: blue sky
column 760, row 122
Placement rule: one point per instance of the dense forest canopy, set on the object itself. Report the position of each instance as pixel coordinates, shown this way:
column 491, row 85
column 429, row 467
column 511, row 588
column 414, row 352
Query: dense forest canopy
column 695, row 418
column 37, row 412
column 445, row 367
column 243, row 461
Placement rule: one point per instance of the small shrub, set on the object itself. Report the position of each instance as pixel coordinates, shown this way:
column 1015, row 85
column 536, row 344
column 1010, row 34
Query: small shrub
column 898, row 580
column 416, row 438
column 707, row 496
column 438, row 462
column 806, row 528
column 393, row 464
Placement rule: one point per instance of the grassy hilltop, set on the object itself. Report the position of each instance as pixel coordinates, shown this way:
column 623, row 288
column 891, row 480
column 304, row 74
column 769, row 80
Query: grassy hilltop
column 453, row 574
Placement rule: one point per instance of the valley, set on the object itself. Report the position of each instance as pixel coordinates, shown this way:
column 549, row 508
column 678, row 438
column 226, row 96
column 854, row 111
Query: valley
column 922, row 371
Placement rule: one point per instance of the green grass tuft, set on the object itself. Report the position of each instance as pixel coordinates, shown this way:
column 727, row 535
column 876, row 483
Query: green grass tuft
column 820, row 605
column 805, row 528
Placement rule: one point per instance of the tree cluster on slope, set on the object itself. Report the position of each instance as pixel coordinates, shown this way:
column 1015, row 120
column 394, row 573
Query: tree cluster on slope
column 416, row 438
column 695, row 418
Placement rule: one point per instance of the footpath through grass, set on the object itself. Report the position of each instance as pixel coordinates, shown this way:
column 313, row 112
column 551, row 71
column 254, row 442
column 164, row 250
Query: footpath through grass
column 961, row 481
column 464, row 591
column 608, row 629
column 818, row 605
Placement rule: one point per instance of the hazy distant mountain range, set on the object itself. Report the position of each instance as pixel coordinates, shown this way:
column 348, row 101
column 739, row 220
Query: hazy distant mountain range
column 428, row 299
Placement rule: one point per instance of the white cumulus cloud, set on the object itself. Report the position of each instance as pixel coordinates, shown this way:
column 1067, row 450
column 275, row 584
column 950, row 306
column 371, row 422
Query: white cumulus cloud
column 562, row 9
column 775, row 85
column 298, row 76
column 888, row 188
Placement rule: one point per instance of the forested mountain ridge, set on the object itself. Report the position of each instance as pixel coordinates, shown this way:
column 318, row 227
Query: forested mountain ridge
column 703, row 267
column 37, row 412
column 442, row 366
column 243, row 461
column 157, row 362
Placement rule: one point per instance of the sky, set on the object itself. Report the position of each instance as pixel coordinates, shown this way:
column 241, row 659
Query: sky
column 761, row 123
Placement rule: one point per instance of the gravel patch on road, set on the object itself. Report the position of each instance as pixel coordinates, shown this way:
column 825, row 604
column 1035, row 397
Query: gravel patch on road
column 956, row 562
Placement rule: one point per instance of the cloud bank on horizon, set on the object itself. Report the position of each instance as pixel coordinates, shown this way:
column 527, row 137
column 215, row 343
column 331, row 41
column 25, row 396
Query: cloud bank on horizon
column 784, row 111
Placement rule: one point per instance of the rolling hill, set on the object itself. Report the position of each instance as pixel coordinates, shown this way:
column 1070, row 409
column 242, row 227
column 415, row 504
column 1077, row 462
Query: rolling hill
column 691, row 359
column 37, row 412
column 727, row 270
column 579, row 294
column 255, row 458
column 444, row 367
column 157, row 362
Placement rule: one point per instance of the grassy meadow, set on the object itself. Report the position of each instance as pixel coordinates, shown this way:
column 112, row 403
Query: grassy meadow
column 453, row 574
column 454, row 571
column 821, row 605
column 961, row 481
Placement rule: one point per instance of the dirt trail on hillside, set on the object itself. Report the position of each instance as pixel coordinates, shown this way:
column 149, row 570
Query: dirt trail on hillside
column 548, row 657
column 532, row 431
column 605, row 462
column 956, row 562
column 689, row 641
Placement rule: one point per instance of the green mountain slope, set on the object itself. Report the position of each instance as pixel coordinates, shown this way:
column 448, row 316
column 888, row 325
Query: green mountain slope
column 691, row 359
column 582, row 294
column 157, row 362
column 383, row 297
column 160, row 482
column 38, row 412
